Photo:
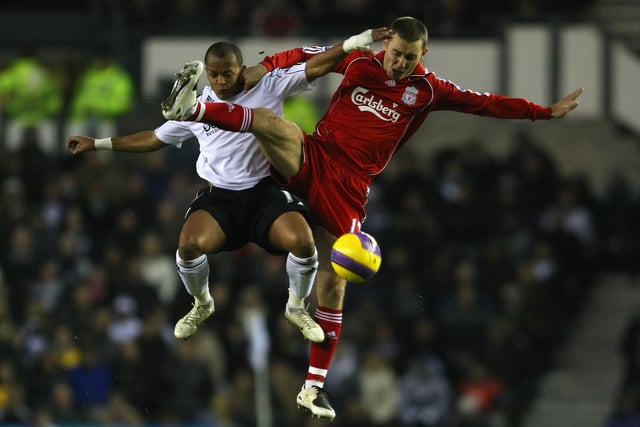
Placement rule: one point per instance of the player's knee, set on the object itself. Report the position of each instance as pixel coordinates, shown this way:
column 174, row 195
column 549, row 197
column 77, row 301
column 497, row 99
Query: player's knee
column 304, row 246
column 189, row 249
column 299, row 244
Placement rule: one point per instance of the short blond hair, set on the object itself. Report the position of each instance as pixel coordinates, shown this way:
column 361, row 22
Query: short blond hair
column 410, row 29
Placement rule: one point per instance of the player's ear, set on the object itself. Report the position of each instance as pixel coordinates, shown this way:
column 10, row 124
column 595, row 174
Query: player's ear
column 424, row 52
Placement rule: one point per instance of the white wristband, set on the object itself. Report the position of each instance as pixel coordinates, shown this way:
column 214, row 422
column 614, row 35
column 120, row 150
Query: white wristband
column 103, row 144
column 363, row 39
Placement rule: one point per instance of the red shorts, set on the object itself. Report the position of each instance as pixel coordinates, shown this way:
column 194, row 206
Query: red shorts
column 335, row 190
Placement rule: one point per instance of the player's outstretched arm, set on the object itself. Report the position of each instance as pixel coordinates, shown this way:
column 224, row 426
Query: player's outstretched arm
column 141, row 142
column 318, row 64
column 566, row 104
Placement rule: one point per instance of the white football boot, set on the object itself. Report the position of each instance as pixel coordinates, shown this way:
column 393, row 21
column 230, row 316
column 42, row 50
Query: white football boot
column 180, row 102
column 188, row 325
column 315, row 401
column 303, row 320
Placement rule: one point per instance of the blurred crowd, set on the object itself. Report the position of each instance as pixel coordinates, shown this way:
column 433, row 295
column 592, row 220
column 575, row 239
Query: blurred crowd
column 449, row 18
column 41, row 100
column 486, row 262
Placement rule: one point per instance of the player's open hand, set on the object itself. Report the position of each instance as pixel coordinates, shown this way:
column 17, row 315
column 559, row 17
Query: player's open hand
column 381, row 33
column 80, row 144
column 566, row 104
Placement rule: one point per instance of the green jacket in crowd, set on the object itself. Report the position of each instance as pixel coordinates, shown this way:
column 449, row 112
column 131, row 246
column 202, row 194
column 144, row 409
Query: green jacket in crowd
column 29, row 92
column 104, row 91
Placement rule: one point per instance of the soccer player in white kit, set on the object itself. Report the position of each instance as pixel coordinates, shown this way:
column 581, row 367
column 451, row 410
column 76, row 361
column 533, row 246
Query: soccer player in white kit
column 241, row 203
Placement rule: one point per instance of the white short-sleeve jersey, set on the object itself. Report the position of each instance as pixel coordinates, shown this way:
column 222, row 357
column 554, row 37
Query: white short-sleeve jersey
column 233, row 160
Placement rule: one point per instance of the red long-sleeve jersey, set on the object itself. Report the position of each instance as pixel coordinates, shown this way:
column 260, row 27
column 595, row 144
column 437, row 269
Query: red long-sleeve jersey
column 370, row 115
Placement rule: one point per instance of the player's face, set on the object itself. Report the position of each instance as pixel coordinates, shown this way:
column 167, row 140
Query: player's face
column 224, row 75
column 401, row 56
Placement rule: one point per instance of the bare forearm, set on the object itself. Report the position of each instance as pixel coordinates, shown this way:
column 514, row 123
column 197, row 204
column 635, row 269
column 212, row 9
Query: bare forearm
column 325, row 62
column 140, row 142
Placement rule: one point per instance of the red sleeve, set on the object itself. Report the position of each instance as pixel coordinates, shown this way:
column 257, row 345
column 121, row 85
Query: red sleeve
column 291, row 57
column 449, row 96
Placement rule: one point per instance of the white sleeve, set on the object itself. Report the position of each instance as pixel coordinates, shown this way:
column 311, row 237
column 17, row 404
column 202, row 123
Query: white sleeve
column 174, row 132
column 287, row 82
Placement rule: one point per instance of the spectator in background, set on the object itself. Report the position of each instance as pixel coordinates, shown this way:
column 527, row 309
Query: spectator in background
column 104, row 92
column 26, row 80
column 91, row 380
column 126, row 325
column 426, row 395
column 378, row 389
column 13, row 409
column 481, row 397
column 532, row 174
column 157, row 268
column 187, row 382
column 630, row 353
column 465, row 312
column 18, row 258
column 62, row 406
column 620, row 207
column 117, row 411
column 7, row 327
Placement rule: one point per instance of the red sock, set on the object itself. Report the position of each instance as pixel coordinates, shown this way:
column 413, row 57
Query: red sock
column 321, row 354
column 232, row 117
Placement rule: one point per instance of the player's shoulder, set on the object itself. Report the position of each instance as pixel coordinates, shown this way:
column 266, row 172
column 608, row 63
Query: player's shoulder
column 287, row 72
column 278, row 81
column 363, row 58
column 362, row 63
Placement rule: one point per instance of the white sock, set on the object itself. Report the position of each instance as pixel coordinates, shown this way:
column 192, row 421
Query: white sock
column 302, row 274
column 195, row 277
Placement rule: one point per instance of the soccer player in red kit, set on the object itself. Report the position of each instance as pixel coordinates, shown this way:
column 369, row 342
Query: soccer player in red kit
column 381, row 102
